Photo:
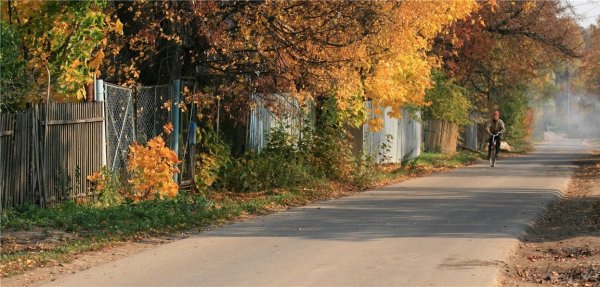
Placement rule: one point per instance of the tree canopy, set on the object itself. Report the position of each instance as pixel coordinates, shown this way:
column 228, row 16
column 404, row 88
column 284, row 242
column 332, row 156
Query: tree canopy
column 383, row 51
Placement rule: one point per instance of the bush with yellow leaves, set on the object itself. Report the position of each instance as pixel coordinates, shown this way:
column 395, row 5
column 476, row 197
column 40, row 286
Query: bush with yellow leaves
column 151, row 168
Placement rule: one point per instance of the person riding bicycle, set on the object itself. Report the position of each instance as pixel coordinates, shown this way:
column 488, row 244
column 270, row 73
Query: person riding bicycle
column 495, row 126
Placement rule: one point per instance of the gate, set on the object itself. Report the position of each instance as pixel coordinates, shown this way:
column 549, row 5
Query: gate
column 120, row 127
column 150, row 117
column 139, row 116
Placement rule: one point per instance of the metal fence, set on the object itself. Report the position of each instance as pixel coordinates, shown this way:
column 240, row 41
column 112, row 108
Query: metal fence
column 150, row 115
column 139, row 115
column 44, row 162
column 469, row 136
column 402, row 136
column 186, row 121
column 120, row 125
column 398, row 139
column 290, row 116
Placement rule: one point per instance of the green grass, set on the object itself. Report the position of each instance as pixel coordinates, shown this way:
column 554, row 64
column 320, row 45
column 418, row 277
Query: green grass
column 446, row 160
column 124, row 219
column 422, row 163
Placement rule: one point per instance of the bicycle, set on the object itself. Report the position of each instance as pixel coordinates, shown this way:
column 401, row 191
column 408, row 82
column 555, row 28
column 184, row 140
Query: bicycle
column 492, row 150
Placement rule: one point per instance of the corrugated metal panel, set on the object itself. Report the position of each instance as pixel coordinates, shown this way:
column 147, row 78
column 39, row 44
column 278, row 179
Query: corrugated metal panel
column 404, row 137
column 411, row 136
column 469, row 136
column 261, row 120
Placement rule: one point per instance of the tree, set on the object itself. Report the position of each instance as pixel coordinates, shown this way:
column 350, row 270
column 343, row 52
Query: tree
column 506, row 45
column 60, row 39
column 448, row 101
column 307, row 49
column 590, row 66
column 13, row 80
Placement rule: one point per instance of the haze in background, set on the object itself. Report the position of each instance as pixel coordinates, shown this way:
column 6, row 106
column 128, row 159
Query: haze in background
column 586, row 11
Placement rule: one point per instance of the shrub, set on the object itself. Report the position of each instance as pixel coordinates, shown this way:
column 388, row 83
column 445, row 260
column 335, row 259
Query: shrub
column 279, row 165
column 317, row 152
column 364, row 171
column 108, row 186
column 151, row 168
column 213, row 157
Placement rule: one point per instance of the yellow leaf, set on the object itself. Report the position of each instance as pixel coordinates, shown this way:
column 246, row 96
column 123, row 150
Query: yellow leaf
column 119, row 27
column 81, row 94
column 95, row 63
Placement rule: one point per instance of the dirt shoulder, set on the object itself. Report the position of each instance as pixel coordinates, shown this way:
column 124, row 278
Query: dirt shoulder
column 563, row 247
column 53, row 270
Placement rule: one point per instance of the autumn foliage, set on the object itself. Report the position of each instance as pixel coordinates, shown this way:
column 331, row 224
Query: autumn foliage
column 62, row 40
column 152, row 167
column 506, row 45
column 590, row 68
column 351, row 50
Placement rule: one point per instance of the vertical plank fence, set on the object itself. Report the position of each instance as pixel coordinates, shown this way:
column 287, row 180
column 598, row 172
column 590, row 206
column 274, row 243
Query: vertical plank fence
column 73, row 149
column 17, row 159
column 39, row 168
column 440, row 136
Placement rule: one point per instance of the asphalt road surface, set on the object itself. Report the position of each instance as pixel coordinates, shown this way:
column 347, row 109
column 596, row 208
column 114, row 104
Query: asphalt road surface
column 450, row 229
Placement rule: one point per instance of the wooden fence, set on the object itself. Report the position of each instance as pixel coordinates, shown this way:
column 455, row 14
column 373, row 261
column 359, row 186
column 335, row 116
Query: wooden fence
column 440, row 136
column 73, row 150
column 19, row 167
column 48, row 162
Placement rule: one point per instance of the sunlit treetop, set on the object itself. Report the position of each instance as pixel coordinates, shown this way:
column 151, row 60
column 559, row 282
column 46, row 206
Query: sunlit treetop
column 62, row 38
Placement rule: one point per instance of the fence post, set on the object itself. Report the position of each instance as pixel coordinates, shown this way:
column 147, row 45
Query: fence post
column 100, row 98
column 176, row 86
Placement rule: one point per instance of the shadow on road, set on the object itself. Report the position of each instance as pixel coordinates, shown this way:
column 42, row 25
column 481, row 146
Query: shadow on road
column 419, row 212
column 473, row 202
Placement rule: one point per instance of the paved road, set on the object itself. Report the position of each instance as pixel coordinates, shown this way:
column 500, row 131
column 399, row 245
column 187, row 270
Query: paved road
column 450, row 229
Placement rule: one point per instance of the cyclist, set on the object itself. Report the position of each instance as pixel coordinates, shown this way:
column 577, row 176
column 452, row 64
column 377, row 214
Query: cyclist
column 495, row 126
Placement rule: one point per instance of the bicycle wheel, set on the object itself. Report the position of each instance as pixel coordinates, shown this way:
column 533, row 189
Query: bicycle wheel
column 492, row 156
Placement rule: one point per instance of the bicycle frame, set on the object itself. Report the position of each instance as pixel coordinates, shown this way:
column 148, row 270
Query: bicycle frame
column 492, row 150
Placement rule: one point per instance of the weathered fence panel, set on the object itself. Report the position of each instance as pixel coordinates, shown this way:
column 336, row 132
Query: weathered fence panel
column 6, row 142
column 44, row 162
column 17, row 158
column 440, row 136
column 72, row 149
